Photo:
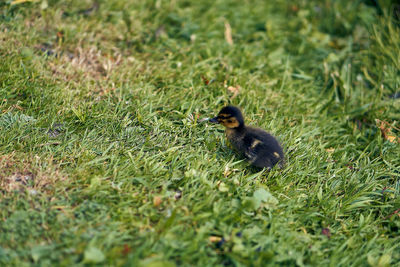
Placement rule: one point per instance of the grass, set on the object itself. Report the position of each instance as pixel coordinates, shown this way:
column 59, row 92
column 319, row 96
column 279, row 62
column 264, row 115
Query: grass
column 104, row 159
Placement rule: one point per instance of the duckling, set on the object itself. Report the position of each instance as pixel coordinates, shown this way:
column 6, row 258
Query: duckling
column 259, row 147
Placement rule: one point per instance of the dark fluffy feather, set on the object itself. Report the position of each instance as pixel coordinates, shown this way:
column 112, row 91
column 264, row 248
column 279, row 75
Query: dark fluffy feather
column 259, row 147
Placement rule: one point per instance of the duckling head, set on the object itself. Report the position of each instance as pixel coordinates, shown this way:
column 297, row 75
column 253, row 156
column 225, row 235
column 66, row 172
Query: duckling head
column 230, row 117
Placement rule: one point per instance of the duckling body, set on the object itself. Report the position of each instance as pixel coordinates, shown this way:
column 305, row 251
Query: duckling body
column 259, row 147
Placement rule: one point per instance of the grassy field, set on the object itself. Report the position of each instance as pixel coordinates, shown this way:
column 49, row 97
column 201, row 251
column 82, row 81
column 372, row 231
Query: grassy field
column 104, row 158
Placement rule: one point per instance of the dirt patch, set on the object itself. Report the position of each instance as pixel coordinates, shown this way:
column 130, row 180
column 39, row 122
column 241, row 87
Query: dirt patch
column 85, row 63
column 28, row 173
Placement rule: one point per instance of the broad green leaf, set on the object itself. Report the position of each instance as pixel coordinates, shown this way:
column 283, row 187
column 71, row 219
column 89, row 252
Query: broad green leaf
column 93, row 255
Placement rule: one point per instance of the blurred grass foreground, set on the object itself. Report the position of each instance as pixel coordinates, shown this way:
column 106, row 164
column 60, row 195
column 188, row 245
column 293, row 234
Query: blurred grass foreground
column 105, row 157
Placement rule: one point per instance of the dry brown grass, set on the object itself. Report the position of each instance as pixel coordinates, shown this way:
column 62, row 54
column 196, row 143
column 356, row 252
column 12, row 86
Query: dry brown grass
column 85, row 63
column 86, row 66
column 36, row 175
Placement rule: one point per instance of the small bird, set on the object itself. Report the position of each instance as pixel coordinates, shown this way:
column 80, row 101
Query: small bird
column 259, row 147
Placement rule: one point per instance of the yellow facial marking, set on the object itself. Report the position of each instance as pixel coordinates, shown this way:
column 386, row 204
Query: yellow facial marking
column 255, row 143
column 229, row 123
column 276, row 155
column 224, row 115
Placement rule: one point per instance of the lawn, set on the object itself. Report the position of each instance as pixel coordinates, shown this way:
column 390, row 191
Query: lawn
column 105, row 157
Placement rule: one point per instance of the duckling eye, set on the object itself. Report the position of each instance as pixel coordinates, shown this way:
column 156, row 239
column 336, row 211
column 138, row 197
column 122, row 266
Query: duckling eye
column 230, row 121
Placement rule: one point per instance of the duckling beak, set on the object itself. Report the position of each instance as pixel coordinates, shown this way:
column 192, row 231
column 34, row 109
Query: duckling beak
column 214, row 120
